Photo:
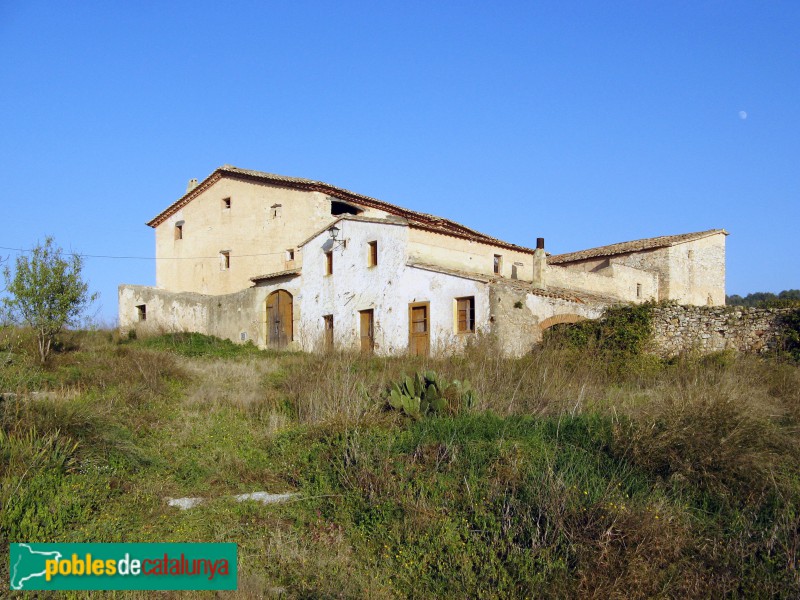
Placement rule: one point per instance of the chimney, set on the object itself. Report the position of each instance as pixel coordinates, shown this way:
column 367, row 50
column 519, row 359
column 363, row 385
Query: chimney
column 539, row 265
column 192, row 184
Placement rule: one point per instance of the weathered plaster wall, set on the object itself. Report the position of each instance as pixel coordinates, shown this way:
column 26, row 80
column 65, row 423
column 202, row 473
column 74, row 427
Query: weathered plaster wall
column 227, row 316
column 688, row 273
column 612, row 280
column 705, row 329
column 256, row 239
column 387, row 289
column 465, row 255
column 697, row 272
column 519, row 315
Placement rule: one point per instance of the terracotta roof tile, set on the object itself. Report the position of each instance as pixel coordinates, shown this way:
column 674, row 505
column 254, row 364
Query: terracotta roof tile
column 276, row 275
column 416, row 219
column 578, row 297
column 448, row 271
column 634, row 246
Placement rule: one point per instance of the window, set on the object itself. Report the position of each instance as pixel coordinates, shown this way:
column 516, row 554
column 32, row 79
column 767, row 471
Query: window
column 328, row 339
column 465, row 315
column 638, row 290
column 226, row 204
column 276, row 210
column 367, row 318
column 225, row 260
column 179, row 230
column 343, row 208
column 290, row 254
column 141, row 312
column 498, row 264
column 372, row 254
column 329, row 262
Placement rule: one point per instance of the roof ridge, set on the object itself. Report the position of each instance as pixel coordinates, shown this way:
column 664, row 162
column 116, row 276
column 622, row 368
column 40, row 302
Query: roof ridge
column 423, row 220
column 661, row 241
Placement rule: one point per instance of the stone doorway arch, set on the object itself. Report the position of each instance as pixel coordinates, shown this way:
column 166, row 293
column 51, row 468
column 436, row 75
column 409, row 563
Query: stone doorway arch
column 560, row 320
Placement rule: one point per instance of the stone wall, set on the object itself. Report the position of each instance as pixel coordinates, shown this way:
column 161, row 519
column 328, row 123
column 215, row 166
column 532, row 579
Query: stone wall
column 713, row 328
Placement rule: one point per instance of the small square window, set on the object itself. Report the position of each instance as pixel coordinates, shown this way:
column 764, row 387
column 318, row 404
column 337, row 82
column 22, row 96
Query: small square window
column 179, row 231
column 465, row 315
column 225, row 260
column 275, row 211
column 290, row 254
column 141, row 312
column 329, row 262
column 226, row 204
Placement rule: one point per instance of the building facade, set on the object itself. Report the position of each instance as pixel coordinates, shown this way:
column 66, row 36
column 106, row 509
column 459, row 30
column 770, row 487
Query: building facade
column 287, row 262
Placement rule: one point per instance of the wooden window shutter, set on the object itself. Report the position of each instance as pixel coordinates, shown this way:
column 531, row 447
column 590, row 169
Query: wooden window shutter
column 372, row 257
column 465, row 310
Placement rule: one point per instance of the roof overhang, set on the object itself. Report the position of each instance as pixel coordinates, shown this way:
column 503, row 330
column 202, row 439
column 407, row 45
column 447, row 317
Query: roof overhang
column 415, row 219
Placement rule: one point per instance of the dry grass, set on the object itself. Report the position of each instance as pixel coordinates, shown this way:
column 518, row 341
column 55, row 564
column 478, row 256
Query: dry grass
column 705, row 449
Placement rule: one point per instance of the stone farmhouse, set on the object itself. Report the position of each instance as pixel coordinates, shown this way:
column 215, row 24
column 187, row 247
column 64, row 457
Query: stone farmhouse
column 289, row 262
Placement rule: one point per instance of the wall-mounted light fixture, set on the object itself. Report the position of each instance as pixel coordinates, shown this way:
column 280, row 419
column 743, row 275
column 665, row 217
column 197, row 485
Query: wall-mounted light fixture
column 333, row 232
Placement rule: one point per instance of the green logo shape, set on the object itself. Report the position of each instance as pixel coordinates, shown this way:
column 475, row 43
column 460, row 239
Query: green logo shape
column 123, row 566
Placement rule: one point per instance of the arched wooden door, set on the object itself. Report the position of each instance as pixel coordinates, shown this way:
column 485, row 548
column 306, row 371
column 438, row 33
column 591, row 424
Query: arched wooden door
column 279, row 318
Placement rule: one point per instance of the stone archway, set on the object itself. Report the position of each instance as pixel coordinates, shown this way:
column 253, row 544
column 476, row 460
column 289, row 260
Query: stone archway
column 559, row 320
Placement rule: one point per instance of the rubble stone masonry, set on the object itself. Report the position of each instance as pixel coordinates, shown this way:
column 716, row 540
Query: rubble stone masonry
column 706, row 329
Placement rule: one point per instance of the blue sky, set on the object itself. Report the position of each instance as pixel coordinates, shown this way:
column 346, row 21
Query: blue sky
column 586, row 123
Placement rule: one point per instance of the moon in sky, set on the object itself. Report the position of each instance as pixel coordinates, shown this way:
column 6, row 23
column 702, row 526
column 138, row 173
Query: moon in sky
column 742, row 115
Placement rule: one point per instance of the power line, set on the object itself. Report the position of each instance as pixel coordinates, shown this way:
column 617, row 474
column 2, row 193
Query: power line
column 27, row 251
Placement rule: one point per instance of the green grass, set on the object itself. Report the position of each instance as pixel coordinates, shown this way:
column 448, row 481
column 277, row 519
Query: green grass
column 566, row 480
column 198, row 344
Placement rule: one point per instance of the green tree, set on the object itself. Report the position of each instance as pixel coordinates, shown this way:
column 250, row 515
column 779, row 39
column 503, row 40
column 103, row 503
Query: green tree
column 46, row 292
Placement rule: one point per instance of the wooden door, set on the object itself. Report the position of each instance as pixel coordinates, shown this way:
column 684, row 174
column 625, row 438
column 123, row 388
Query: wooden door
column 367, row 331
column 279, row 318
column 328, row 339
column 419, row 328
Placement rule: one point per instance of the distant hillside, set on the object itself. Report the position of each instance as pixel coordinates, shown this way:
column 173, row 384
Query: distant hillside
column 765, row 299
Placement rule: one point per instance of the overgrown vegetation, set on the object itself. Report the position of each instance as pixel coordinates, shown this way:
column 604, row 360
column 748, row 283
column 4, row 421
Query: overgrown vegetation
column 623, row 330
column 790, row 324
column 563, row 478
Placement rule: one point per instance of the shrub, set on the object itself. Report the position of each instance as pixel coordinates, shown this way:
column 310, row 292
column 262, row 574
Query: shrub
column 790, row 334
column 621, row 329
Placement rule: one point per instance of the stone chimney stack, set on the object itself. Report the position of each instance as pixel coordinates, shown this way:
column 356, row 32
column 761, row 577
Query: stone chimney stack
column 192, row 184
column 539, row 265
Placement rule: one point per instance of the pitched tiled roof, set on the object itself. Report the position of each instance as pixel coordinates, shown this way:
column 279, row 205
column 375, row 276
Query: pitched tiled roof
column 634, row 246
column 388, row 221
column 268, row 276
column 448, row 271
column 415, row 219
column 575, row 296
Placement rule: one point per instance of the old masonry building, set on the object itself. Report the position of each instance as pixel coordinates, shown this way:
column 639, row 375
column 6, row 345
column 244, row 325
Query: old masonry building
column 301, row 264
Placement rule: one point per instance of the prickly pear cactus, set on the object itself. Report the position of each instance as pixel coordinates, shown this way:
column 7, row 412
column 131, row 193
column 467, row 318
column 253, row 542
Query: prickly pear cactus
column 427, row 393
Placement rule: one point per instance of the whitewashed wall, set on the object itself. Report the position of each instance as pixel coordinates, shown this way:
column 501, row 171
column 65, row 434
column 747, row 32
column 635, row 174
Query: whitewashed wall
column 387, row 289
